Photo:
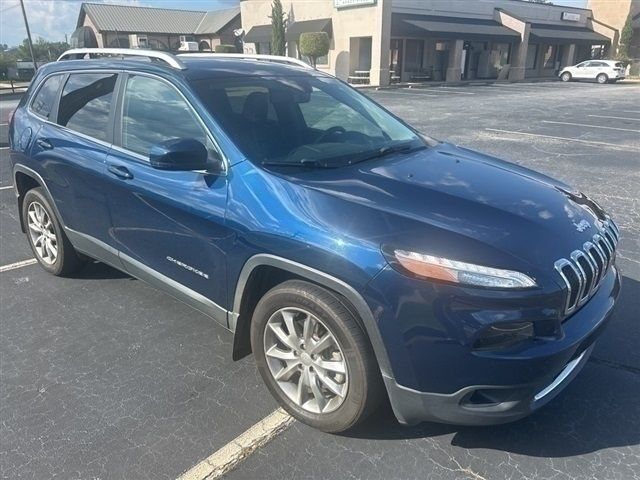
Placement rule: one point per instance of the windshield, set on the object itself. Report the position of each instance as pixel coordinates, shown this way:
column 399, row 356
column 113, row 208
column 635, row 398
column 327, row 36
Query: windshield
column 303, row 121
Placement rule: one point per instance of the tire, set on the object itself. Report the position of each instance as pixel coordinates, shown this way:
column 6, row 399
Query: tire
column 295, row 303
column 565, row 77
column 53, row 251
column 602, row 78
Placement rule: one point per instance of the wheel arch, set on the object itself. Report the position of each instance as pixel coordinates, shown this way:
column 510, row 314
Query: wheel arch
column 251, row 286
column 26, row 179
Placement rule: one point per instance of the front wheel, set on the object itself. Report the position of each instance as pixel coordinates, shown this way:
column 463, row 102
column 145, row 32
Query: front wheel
column 50, row 245
column 566, row 77
column 602, row 78
column 314, row 357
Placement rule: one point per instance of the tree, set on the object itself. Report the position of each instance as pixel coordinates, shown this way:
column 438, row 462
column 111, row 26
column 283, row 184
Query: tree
column 277, row 28
column 44, row 51
column 314, row 45
column 625, row 39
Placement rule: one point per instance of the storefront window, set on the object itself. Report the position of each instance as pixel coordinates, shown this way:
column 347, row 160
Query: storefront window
column 549, row 58
column 263, row 48
column 503, row 50
column 532, row 56
column 414, row 55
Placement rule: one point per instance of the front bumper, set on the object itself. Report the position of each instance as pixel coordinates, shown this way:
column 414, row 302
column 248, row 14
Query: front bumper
column 542, row 372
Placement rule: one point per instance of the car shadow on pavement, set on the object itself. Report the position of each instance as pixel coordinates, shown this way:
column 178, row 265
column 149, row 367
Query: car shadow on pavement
column 94, row 270
column 600, row 409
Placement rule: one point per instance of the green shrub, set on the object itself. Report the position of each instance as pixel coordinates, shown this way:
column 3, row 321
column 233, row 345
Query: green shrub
column 225, row 49
column 314, row 45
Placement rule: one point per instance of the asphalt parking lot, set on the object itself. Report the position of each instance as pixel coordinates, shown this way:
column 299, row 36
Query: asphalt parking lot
column 103, row 377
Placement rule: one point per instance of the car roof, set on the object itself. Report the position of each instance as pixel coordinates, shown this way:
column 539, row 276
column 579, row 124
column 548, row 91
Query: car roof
column 196, row 68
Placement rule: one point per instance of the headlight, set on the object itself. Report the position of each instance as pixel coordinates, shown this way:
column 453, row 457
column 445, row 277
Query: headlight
column 438, row 268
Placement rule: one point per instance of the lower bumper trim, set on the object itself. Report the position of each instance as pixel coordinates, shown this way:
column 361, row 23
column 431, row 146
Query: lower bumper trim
column 412, row 407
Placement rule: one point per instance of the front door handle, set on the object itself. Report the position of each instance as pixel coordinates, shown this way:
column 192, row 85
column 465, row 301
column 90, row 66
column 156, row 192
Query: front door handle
column 120, row 171
column 44, row 144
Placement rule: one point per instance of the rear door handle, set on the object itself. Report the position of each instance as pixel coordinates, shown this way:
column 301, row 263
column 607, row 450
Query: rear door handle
column 120, row 171
column 44, row 143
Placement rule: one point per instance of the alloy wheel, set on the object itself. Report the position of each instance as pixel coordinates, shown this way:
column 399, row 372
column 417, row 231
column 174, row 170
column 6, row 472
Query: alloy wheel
column 306, row 360
column 42, row 234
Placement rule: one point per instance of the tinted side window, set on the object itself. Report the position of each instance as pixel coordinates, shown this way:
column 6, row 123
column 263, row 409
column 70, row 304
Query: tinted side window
column 153, row 112
column 46, row 97
column 86, row 103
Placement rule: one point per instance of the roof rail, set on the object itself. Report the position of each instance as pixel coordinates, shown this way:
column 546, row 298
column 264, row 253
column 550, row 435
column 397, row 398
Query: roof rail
column 266, row 58
column 168, row 58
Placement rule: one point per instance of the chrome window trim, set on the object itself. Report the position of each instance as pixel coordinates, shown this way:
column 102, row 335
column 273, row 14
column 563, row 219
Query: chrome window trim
column 64, row 128
column 225, row 160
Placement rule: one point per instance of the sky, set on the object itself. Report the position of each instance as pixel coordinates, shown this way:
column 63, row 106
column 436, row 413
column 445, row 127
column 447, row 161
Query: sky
column 52, row 19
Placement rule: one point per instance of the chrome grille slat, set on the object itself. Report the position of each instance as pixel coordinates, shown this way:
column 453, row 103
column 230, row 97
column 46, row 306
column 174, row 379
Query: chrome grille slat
column 584, row 269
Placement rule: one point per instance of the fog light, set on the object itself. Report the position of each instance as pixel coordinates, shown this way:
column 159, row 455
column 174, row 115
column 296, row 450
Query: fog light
column 504, row 335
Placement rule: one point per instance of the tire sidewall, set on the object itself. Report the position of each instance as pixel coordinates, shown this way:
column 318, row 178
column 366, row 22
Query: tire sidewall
column 351, row 409
column 602, row 75
column 36, row 195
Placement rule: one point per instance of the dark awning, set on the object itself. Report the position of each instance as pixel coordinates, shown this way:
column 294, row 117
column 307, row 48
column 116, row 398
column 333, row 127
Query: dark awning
column 317, row 25
column 258, row 34
column 450, row 27
column 541, row 33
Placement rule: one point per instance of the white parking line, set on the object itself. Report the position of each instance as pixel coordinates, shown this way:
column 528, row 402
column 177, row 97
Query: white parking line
column 7, row 187
column 591, row 126
column 629, row 111
column 20, row 264
column 4, row 148
column 234, row 452
column 616, row 118
column 456, row 90
column 588, row 142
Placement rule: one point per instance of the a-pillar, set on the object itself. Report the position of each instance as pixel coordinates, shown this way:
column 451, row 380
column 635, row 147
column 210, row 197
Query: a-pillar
column 454, row 69
column 381, row 44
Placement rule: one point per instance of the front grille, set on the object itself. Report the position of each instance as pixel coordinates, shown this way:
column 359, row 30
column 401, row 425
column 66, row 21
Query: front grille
column 585, row 268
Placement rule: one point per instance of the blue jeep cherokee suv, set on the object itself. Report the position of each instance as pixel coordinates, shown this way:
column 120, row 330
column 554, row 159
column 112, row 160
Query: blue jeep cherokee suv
column 351, row 254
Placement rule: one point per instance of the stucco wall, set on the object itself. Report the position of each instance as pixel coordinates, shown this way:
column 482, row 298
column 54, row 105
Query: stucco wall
column 363, row 21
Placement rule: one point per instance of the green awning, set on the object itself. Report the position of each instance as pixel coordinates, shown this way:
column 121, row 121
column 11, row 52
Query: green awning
column 304, row 26
column 258, row 34
column 541, row 33
column 461, row 28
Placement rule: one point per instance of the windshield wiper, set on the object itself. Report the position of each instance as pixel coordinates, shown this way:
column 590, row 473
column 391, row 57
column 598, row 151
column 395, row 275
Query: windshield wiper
column 305, row 162
column 388, row 150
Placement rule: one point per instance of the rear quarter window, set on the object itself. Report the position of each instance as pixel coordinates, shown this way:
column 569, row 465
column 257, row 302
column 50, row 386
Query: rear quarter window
column 44, row 100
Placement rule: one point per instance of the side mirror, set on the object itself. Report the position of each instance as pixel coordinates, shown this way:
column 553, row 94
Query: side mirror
column 182, row 154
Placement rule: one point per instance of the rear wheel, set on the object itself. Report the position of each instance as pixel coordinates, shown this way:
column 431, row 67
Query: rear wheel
column 602, row 78
column 566, row 77
column 314, row 356
column 47, row 239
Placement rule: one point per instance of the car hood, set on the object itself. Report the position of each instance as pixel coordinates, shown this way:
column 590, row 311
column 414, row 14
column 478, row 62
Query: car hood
column 458, row 203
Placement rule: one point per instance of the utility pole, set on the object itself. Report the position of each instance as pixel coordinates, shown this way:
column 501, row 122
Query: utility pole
column 26, row 24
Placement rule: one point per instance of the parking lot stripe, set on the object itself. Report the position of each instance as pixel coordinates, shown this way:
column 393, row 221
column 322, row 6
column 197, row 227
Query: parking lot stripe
column 234, row 452
column 7, row 187
column 591, row 126
column 4, row 148
column 20, row 264
column 589, row 142
column 616, row 118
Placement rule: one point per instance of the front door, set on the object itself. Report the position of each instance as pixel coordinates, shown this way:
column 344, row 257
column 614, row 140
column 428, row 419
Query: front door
column 168, row 225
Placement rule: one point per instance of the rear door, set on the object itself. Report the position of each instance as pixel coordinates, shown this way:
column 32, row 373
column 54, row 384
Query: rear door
column 168, row 225
column 72, row 147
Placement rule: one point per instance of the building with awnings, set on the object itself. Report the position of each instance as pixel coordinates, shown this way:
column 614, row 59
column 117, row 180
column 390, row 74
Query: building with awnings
column 384, row 41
